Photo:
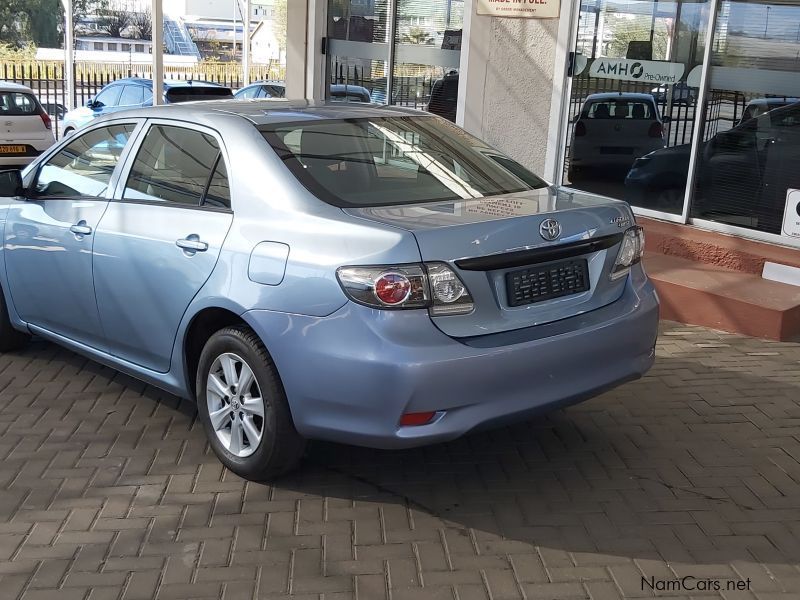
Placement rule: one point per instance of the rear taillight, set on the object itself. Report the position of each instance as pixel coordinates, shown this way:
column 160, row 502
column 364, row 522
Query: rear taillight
column 580, row 129
column 656, row 130
column 45, row 118
column 434, row 286
column 630, row 252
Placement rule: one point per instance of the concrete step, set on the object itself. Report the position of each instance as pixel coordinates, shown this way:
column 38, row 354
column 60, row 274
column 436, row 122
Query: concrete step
column 735, row 301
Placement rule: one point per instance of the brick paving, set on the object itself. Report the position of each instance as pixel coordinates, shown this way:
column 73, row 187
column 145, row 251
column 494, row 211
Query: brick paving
column 109, row 491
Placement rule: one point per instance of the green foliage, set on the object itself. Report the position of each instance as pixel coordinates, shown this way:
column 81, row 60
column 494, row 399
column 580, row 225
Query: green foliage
column 635, row 30
column 279, row 23
column 417, row 36
column 10, row 53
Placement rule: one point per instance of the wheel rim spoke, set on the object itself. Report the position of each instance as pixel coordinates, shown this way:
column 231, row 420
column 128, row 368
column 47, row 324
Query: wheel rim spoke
column 250, row 430
column 253, row 406
column 236, row 435
column 216, row 386
column 245, row 379
column 220, row 418
column 229, row 369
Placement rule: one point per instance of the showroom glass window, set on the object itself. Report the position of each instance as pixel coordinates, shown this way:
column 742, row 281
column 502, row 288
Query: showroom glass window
column 632, row 109
column 403, row 52
column 750, row 152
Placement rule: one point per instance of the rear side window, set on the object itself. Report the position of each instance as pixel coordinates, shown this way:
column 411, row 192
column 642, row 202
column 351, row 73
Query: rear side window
column 132, row 95
column 394, row 160
column 190, row 94
column 17, row 104
column 175, row 164
column 620, row 109
column 109, row 96
column 84, row 167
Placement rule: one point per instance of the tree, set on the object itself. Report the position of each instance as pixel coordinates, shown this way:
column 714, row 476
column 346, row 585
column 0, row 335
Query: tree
column 279, row 20
column 141, row 26
column 419, row 36
column 114, row 21
column 637, row 29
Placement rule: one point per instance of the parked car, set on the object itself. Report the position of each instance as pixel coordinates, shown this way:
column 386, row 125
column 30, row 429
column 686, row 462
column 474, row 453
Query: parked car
column 444, row 96
column 349, row 303
column 277, row 89
column 758, row 106
column 681, row 93
column 25, row 127
column 134, row 92
column 613, row 130
column 658, row 180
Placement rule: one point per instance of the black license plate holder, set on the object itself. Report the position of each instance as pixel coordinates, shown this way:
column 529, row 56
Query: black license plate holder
column 547, row 281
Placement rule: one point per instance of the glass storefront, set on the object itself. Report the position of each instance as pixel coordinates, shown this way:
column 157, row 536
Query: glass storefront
column 638, row 122
column 403, row 52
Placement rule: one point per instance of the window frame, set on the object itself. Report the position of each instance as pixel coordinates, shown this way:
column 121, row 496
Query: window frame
column 32, row 177
column 124, row 174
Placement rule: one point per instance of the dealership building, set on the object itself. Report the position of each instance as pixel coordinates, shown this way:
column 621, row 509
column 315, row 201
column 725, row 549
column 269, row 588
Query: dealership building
column 689, row 110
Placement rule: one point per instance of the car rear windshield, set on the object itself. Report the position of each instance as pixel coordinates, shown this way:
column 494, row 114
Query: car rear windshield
column 15, row 104
column 619, row 109
column 394, row 160
column 190, row 94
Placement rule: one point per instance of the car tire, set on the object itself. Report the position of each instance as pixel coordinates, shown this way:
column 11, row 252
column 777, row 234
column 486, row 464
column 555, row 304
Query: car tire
column 10, row 338
column 255, row 446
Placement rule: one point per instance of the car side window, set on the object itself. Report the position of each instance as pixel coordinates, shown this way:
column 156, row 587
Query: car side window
column 264, row 92
column 84, row 166
column 174, row 165
column 276, row 91
column 248, row 93
column 219, row 192
column 109, row 96
column 131, row 95
column 147, row 95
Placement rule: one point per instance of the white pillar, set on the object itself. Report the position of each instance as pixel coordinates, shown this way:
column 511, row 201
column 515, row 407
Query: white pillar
column 157, row 12
column 246, row 42
column 306, row 22
column 296, row 19
column 69, row 56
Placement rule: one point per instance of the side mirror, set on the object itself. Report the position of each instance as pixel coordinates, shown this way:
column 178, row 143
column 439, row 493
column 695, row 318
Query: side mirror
column 11, row 183
column 666, row 119
column 89, row 103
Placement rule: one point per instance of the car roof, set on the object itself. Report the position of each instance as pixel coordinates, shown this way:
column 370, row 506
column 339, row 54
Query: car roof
column 8, row 86
column 620, row 96
column 168, row 83
column 775, row 101
column 268, row 111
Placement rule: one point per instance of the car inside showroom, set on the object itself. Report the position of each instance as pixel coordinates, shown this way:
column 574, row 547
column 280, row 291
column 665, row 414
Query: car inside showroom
column 399, row 299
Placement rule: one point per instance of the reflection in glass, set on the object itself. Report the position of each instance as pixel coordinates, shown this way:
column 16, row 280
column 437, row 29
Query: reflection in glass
column 631, row 125
column 748, row 160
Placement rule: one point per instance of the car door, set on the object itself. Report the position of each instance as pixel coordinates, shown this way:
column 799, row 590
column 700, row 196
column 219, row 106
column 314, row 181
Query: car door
column 160, row 238
column 48, row 236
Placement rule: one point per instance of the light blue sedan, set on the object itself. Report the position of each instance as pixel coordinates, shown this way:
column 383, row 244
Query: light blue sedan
column 363, row 274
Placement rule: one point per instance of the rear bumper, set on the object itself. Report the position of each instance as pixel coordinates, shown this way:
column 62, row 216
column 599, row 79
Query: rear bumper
column 350, row 376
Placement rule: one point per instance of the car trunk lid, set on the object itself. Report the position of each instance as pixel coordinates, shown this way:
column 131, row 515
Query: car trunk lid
column 496, row 248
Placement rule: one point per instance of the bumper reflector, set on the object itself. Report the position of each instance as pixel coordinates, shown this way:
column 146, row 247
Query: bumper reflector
column 418, row 418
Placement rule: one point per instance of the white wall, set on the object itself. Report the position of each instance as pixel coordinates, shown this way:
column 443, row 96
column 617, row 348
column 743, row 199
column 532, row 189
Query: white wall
column 507, row 84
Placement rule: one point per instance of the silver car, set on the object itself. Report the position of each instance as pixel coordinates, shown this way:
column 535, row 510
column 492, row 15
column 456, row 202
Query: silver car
column 363, row 274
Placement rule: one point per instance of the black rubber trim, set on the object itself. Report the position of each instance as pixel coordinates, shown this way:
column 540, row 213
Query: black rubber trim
column 520, row 258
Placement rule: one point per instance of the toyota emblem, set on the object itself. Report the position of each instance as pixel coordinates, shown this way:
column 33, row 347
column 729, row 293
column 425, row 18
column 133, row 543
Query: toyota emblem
column 550, row 229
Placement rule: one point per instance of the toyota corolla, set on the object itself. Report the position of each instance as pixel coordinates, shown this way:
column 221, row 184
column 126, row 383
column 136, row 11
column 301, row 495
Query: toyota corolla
column 362, row 274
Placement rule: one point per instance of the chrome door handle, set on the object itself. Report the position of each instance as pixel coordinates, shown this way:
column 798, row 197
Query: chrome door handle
column 191, row 245
column 81, row 228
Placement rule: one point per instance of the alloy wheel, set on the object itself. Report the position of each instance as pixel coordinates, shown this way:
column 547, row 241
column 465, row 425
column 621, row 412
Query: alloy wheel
column 235, row 404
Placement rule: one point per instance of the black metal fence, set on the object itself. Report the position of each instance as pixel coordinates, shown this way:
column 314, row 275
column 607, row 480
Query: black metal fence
column 47, row 79
column 410, row 91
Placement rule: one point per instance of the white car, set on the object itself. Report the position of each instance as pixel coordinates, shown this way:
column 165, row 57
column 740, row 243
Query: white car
column 25, row 127
column 613, row 130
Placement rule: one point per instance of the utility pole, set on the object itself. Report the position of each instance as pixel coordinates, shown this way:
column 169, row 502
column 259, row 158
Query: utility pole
column 157, row 11
column 69, row 55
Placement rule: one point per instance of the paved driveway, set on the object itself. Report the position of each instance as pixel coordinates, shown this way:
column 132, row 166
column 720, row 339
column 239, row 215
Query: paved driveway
column 685, row 483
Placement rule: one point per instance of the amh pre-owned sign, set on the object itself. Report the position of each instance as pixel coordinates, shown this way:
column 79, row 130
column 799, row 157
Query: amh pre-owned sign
column 628, row 69
column 531, row 9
